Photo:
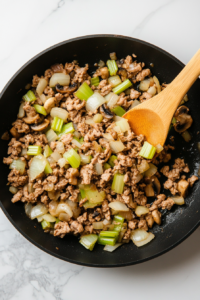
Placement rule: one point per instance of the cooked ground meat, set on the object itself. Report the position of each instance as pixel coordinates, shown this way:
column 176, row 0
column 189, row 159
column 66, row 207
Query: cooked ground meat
column 78, row 190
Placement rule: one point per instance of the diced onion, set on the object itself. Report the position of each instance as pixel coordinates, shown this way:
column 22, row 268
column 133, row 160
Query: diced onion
column 117, row 129
column 60, row 147
column 113, row 100
column 150, row 237
column 53, row 207
column 21, row 112
column 76, row 143
column 152, row 90
column 117, row 146
column 64, row 207
column 101, row 64
column 62, row 162
column 43, row 98
column 144, row 166
column 50, row 160
column 159, row 148
column 141, row 210
column 89, row 121
column 56, row 156
column 144, row 85
column 151, row 171
column 94, row 102
column 97, row 225
column 38, row 210
column 128, row 215
column 106, row 222
column 49, row 218
column 77, row 134
column 108, row 97
column 139, row 235
column 138, row 178
column 54, row 195
column 64, row 217
column 186, row 135
column 178, row 200
column 108, row 136
column 61, row 78
column 85, row 159
column 117, row 118
column 110, row 248
column 41, row 86
column 135, row 103
column 40, row 219
column 37, row 166
column 123, row 125
column 118, row 206
column 49, row 187
column 13, row 189
column 51, row 135
column 59, row 112
column 157, row 83
column 28, row 207
column 114, row 81
column 19, row 165
column 98, row 118
column 24, row 152
column 99, row 168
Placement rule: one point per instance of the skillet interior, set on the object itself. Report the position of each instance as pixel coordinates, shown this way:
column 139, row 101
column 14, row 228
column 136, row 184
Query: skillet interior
column 177, row 224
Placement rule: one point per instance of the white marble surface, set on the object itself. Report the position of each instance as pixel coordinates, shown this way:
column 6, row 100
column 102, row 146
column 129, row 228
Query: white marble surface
column 26, row 28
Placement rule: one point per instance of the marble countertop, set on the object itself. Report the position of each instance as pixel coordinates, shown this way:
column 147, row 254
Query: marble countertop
column 28, row 27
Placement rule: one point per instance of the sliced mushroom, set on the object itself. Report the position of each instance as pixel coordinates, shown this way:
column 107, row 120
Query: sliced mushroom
column 49, row 104
column 31, row 119
column 14, row 132
column 153, row 186
column 40, row 126
column 57, row 68
column 105, row 111
column 72, row 74
column 183, row 120
column 66, row 89
column 123, row 73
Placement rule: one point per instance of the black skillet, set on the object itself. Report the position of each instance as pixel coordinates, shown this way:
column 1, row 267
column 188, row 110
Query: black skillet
column 177, row 224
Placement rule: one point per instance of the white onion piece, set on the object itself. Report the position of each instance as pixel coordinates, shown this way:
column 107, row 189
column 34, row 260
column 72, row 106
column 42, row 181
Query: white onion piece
column 50, row 160
column 97, row 225
column 24, row 151
column 28, row 207
column 108, row 136
column 139, row 235
column 178, row 200
column 134, row 104
column 141, row 210
column 98, row 168
column 19, row 165
column 76, row 143
column 94, row 102
column 159, row 148
column 144, row 166
column 72, row 204
column 138, row 178
column 85, row 159
column 41, row 86
column 21, row 112
column 30, row 188
column 113, row 100
column 52, row 208
column 157, row 83
column 123, row 125
column 114, row 81
column 151, row 171
column 150, row 237
column 152, row 90
column 51, row 135
column 106, row 222
column 117, row 118
column 117, row 146
column 49, row 218
column 117, row 129
column 13, row 190
column 62, row 162
column 118, row 206
column 110, row 248
column 43, row 98
column 64, row 217
column 59, row 112
column 38, row 210
column 77, row 134
column 89, row 121
column 49, row 187
column 62, row 79
column 144, row 85
column 37, row 166
column 108, row 97
column 76, row 212
column 128, row 215
column 60, row 147
column 56, row 156
column 64, row 207
column 40, row 219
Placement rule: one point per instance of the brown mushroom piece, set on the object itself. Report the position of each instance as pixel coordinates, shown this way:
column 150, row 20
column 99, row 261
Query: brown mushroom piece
column 183, row 120
column 41, row 126
column 123, row 73
column 105, row 111
column 31, row 119
column 153, row 186
column 57, row 68
column 66, row 89
column 15, row 133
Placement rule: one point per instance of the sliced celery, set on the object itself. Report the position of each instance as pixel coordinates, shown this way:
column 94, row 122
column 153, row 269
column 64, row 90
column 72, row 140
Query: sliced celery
column 122, row 87
column 88, row 205
column 67, row 128
column 147, row 151
column 118, row 110
column 29, row 96
column 118, row 183
column 45, row 224
column 112, row 67
column 34, row 150
column 118, row 219
column 111, row 160
column 95, row 81
column 94, row 196
column 57, row 124
column 40, row 109
column 88, row 241
column 82, row 194
column 57, row 221
column 47, row 151
column 84, row 92
column 109, row 233
column 106, row 166
column 106, row 241
column 73, row 158
column 48, row 169
column 118, row 228
column 173, row 120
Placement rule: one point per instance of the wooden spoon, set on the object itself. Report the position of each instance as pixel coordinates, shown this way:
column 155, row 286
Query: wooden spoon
column 153, row 117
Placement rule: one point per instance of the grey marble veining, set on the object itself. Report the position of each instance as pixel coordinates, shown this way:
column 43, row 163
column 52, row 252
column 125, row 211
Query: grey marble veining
column 28, row 27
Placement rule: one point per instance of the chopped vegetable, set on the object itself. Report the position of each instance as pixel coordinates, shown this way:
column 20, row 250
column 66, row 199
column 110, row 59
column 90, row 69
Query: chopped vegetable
column 151, row 171
column 37, row 166
column 29, row 96
column 34, row 150
column 48, row 169
column 94, row 196
column 98, row 118
column 141, row 210
column 116, row 146
column 59, row 78
column 112, row 67
column 73, row 158
column 19, row 165
column 41, row 86
column 45, row 224
column 111, row 160
column 149, row 238
column 40, row 109
column 59, row 112
column 106, row 241
column 98, row 225
column 67, row 128
column 123, row 125
column 118, row 184
column 99, row 168
column 85, row 159
column 135, row 103
column 94, row 81
column 114, row 81
column 159, row 148
column 51, row 136
column 94, row 102
column 118, row 110
column 13, row 190
column 49, row 218
column 118, row 219
column 57, row 124
column 112, row 100
column 106, row 166
column 122, row 87
column 38, row 210
column 88, row 241
column 179, row 200
column 84, row 92
column 139, row 235
column 56, row 156
column 110, row 248
column 109, row 233
column 143, row 166
column 118, row 206
column 147, row 151
column 47, row 151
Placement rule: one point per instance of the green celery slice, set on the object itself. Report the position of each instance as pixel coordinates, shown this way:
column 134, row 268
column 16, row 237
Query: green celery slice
column 111, row 160
column 45, row 224
column 47, row 151
column 122, row 87
column 118, row 183
column 108, row 233
column 118, row 110
column 106, row 241
column 88, row 241
column 112, row 67
column 40, row 109
column 84, row 92
column 147, row 151
column 57, row 124
column 106, row 166
column 67, row 128
column 29, row 96
column 95, row 81
column 73, row 158
column 34, row 150
column 48, row 169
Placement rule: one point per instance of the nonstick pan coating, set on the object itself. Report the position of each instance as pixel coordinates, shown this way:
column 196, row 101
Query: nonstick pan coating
column 177, row 224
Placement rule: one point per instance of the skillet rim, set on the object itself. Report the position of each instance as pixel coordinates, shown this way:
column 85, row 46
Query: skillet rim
column 10, row 218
